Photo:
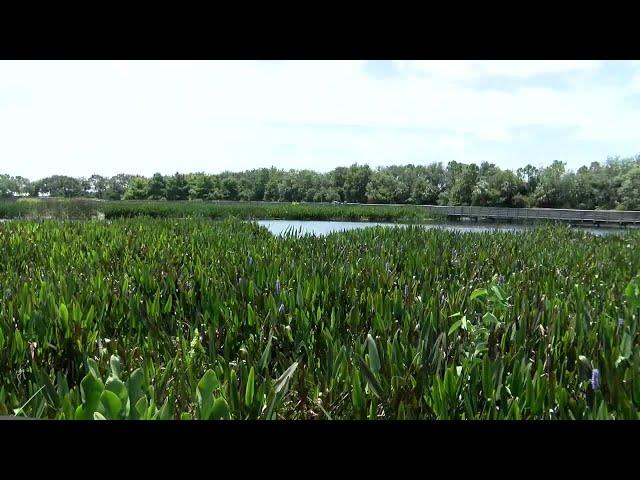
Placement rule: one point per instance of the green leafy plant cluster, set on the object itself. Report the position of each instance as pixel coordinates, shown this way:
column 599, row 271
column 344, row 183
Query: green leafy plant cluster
column 86, row 209
column 192, row 319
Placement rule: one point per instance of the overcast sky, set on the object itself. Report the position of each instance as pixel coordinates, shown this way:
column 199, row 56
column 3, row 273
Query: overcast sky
column 107, row 117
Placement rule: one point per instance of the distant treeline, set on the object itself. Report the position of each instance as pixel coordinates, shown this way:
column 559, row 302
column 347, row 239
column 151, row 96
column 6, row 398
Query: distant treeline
column 614, row 184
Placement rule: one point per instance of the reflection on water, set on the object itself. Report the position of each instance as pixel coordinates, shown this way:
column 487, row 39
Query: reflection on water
column 278, row 227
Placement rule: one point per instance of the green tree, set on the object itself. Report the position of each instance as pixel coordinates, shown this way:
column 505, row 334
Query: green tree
column 272, row 191
column 355, row 184
column 230, row 188
column 177, row 187
column 157, row 188
column 629, row 191
column 137, row 189
column 383, row 188
column 96, row 186
column 60, row 186
column 7, row 186
column 548, row 192
column 464, row 178
column 117, row 186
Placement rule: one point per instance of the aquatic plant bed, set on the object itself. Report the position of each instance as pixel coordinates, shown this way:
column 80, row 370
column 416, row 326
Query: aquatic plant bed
column 193, row 319
column 86, row 209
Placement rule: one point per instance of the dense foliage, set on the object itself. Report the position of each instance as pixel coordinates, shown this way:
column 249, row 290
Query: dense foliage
column 609, row 185
column 75, row 208
column 148, row 318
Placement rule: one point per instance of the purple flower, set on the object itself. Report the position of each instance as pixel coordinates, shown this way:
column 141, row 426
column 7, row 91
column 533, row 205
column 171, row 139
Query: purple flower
column 501, row 280
column 277, row 287
column 281, row 309
column 595, row 379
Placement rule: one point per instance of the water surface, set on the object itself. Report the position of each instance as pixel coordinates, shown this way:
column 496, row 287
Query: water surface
column 302, row 227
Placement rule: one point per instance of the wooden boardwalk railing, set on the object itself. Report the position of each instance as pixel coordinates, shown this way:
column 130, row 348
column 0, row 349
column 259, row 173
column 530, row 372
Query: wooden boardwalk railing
column 621, row 217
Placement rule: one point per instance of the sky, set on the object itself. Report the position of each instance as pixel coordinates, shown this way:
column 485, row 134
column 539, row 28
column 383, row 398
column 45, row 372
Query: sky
column 80, row 118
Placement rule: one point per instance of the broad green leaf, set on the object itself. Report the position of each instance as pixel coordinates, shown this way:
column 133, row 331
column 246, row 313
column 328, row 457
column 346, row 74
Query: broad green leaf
column 134, row 385
column 166, row 411
column 204, row 395
column 220, row 410
column 91, row 389
column 374, row 358
column 141, row 407
column 111, row 404
column 479, row 292
column 454, row 328
column 114, row 362
column 93, row 367
column 498, row 292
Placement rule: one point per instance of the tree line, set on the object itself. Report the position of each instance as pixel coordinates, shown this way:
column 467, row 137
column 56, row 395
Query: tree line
column 612, row 184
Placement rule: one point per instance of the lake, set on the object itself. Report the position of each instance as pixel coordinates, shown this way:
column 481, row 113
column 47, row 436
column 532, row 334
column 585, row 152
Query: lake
column 278, row 227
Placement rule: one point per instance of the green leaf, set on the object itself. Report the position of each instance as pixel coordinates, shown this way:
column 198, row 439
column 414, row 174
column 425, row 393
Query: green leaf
column 134, row 385
column 118, row 387
column 489, row 318
column 487, row 379
column 357, row 394
column 498, row 293
column 141, row 407
column 374, row 358
column 251, row 315
column 167, row 306
column 91, row 388
column 166, row 412
column 220, row 410
column 264, row 358
column 208, row 383
column 64, row 315
column 114, row 362
column 90, row 315
column 98, row 416
column 83, row 413
column 454, row 328
column 186, row 416
column 204, row 395
column 283, row 380
column 111, row 404
column 93, row 367
column 478, row 292
column 373, row 383
column 248, row 394
column 299, row 296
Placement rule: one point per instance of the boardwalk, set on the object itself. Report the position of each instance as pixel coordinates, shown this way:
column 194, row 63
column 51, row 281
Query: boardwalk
column 595, row 217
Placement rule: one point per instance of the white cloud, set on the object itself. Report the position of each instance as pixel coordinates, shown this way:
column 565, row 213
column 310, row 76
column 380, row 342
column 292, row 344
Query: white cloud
column 463, row 69
column 85, row 117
